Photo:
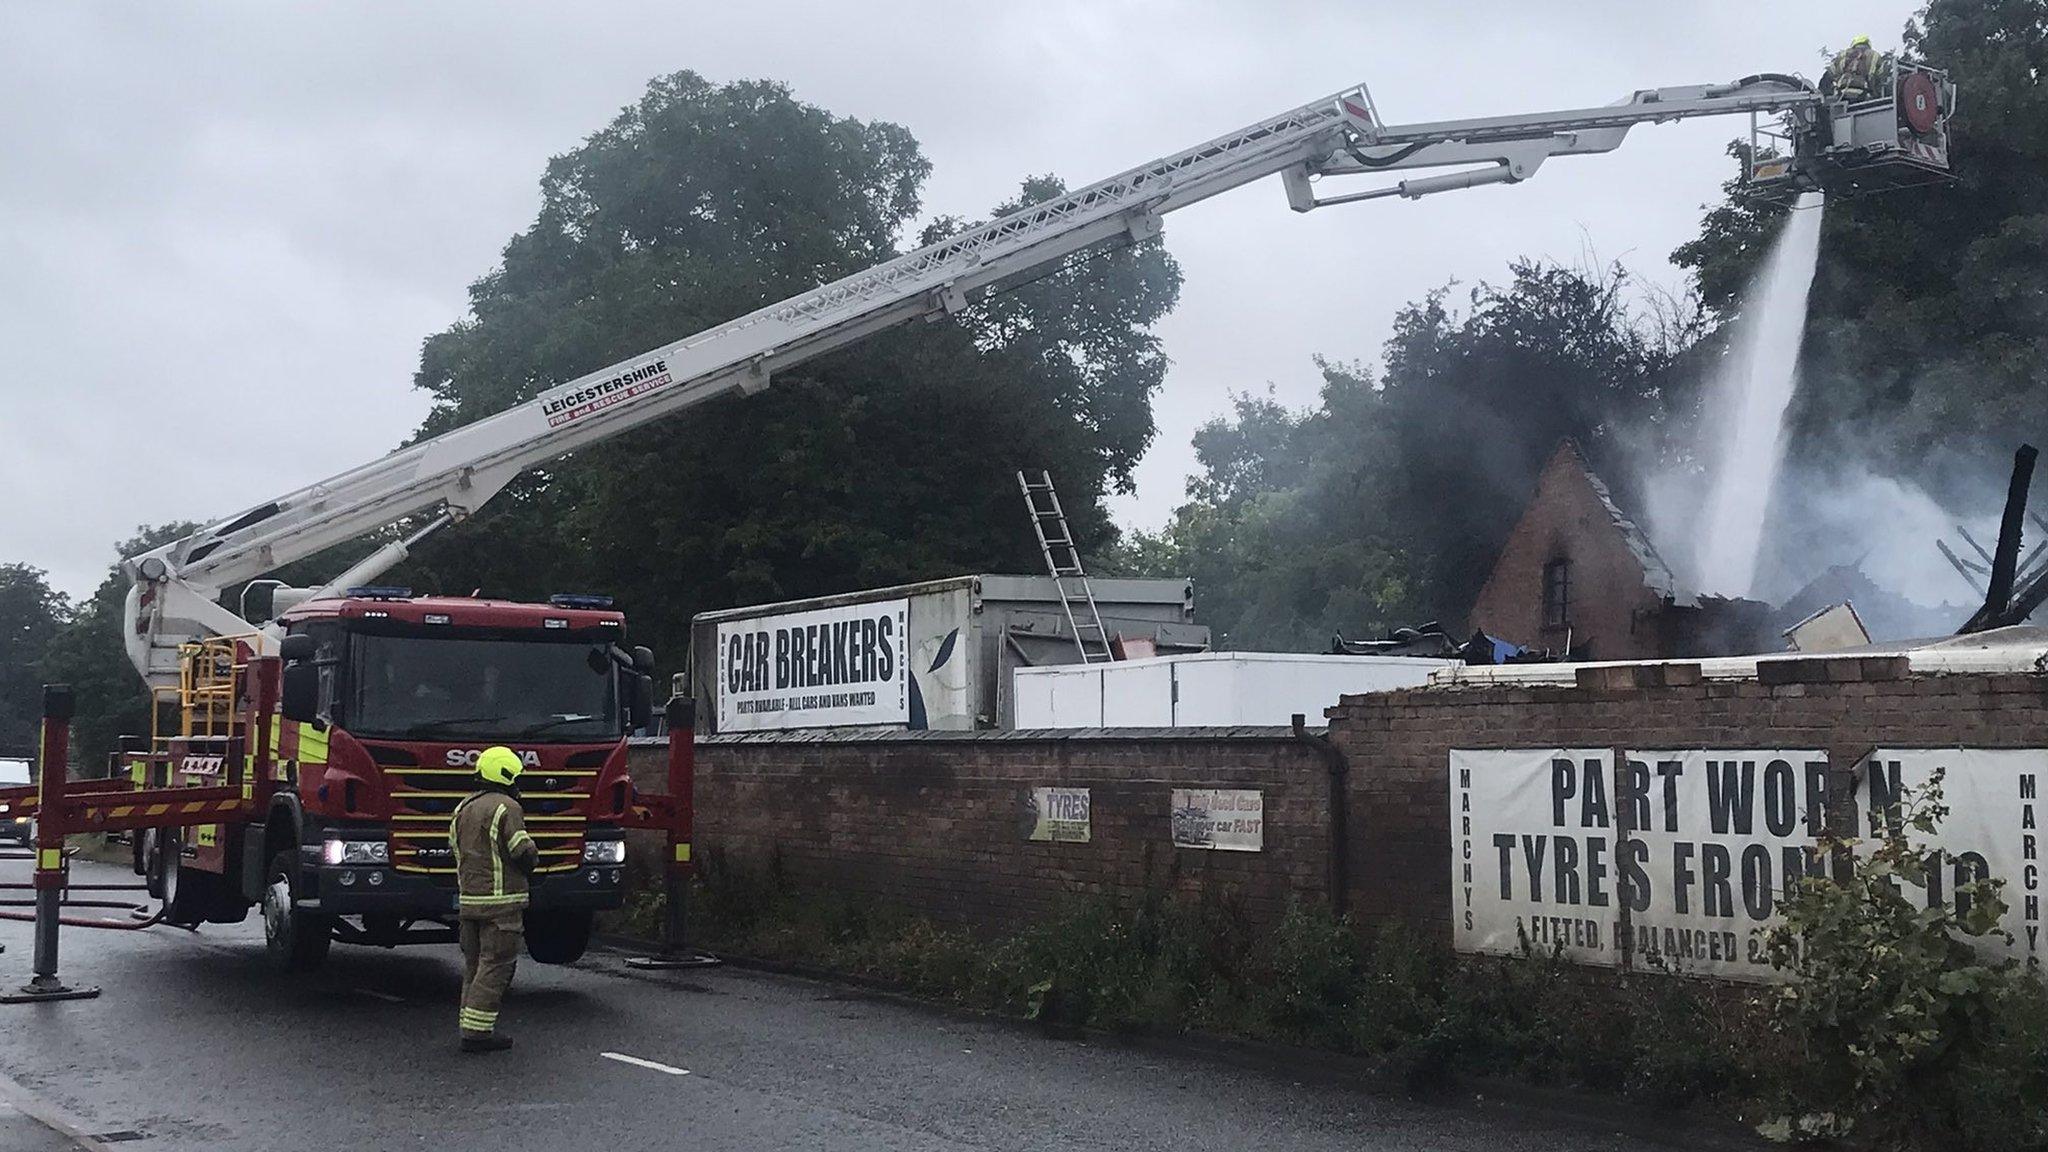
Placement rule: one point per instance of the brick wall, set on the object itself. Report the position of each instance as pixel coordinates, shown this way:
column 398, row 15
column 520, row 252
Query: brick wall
column 937, row 821
column 1399, row 743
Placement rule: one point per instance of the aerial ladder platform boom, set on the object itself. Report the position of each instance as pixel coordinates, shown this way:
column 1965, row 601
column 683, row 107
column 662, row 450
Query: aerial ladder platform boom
column 176, row 588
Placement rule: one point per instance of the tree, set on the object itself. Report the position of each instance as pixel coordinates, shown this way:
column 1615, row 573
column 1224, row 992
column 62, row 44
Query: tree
column 31, row 614
column 1480, row 400
column 890, row 460
column 89, row 656
column 1285, row 532
column 1387, row 503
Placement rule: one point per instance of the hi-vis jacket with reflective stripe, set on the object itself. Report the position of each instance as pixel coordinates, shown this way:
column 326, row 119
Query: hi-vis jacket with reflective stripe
column 493, row 854
column 1855, row 71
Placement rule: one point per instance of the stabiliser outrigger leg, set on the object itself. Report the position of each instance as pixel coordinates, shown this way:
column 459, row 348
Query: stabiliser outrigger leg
column 676, row 814
column 63, row 806
column 50, row 871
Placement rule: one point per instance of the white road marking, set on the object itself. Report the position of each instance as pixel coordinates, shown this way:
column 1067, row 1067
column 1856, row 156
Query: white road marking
column 387, row 997
column 637, row 1062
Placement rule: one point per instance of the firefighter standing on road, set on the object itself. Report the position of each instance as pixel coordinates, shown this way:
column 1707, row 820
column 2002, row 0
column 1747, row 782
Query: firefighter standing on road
column 494, row 854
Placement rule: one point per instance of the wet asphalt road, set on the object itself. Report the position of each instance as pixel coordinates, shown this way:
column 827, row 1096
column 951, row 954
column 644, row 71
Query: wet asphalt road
column 196, row 1044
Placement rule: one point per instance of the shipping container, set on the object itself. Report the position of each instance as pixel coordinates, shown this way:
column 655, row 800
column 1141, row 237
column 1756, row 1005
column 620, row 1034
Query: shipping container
column 1207, row 689
column 935, row 655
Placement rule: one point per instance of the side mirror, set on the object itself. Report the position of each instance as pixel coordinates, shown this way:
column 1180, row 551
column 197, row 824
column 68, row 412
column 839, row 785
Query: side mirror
column 299, row 695
column 640, row 703
column 299, row 691
column 643, row 659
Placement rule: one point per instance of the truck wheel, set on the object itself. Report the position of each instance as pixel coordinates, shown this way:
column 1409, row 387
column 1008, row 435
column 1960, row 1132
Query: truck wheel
column 557, row 937
column 153, row 861
column 137, row 841
column 184, row 891
column 296, row 939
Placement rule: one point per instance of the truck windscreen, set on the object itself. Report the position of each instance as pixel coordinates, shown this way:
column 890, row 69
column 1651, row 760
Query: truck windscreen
column 424, row 688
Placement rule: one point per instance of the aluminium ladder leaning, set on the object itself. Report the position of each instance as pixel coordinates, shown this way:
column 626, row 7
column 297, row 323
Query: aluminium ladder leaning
column 1063, row 561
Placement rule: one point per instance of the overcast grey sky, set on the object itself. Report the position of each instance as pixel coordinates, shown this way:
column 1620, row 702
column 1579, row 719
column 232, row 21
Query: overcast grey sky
column 225, row 228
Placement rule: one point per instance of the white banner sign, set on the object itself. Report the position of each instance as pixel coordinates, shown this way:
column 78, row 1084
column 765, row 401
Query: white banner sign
column 826, row 668
column 1992, row 829
column 1726, row 832
column 1059, row 814
column 1509, row 849
column 1537, row 859
column 1230, row 819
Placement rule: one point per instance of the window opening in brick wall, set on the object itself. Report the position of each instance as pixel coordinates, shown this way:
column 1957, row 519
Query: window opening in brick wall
column 1557, row 593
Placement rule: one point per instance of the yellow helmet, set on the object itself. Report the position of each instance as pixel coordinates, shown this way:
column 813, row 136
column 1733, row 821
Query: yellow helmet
column 1860, row 42
column 499, row 765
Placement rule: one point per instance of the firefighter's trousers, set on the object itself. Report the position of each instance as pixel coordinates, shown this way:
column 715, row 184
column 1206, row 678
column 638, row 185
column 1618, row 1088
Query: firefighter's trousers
column 490, row 951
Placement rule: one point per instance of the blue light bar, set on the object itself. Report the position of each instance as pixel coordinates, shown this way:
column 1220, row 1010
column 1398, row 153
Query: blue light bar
column 579, row 600
column 378, row 592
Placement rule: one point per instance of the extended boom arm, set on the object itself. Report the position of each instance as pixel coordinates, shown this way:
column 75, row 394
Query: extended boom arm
column 175, row 597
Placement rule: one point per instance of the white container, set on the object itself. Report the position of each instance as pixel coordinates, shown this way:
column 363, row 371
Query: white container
column 934, row 655
column 1206, row 689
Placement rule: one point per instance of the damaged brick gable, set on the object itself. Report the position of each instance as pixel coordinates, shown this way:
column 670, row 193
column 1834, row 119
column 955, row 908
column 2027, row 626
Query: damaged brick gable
column 1619, row 589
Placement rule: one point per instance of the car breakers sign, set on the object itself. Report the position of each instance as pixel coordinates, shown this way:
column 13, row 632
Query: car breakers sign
column 1677, row 860
column 829, row 667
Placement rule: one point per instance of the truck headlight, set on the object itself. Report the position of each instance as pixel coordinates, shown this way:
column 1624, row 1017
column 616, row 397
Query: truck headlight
column 355, row 852
column 604, row 851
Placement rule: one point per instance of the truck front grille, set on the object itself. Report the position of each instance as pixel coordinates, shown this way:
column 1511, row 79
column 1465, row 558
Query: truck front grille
column 427, row 796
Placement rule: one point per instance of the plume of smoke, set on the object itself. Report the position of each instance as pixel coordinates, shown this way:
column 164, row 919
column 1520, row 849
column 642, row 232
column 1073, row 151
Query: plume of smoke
column 1825, row 515
column 1829, row 508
